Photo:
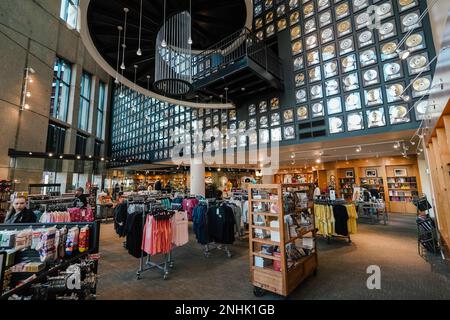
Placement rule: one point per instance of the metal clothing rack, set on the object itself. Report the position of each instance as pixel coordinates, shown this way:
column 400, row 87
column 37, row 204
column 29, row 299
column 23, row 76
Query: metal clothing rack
column 46, row 203
column 211, row 246
column 148, row 264
column 373, row 211
column 336, row 202
column 427, row 235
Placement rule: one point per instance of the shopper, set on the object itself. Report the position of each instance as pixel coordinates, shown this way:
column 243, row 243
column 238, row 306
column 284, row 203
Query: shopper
column 80, row 198
column 20, row 213
column 120, row 215
column 317, row 192
column 158, row 185
column 168, row 187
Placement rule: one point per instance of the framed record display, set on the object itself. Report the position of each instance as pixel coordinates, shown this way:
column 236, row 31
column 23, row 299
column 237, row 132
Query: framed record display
column 355, row 121
column 398, row 114
column 376, row 118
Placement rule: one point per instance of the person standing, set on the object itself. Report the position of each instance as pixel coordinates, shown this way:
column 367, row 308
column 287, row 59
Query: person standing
column 20, row 213
column 317, row 192
column 80, row 198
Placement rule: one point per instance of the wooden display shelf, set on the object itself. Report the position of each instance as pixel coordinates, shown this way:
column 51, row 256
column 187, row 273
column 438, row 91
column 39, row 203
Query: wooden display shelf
column 281, row 282
column 254, row 226
column 269, row 214
column 264, row 241
column 265, row 256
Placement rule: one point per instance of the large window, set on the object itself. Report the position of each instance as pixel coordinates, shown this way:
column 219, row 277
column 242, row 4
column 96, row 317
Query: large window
column 80, row 147
column 101, row 110
column 85, row 101
column 60, row 90
column 69, row 12
column 55, row 139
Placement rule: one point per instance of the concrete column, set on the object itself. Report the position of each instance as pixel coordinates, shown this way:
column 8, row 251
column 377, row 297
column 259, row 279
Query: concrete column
column 197, row 184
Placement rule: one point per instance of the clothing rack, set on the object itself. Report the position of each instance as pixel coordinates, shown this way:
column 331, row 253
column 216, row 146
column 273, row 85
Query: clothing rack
column 46, row 203
column 332, row 203
column 216, row 246
column 148, row 264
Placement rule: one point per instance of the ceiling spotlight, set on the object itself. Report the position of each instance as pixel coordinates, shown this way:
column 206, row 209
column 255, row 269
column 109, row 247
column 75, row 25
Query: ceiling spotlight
column 405, row 98
column 318, row 161
column 26, row 106
column 78, row 157
column 30, row 153
column 60, row 157
column 90, row 157
column 102, row 159
column 404, row 54
column 293, row 162
column 420, row 149
column 163, row 43
column 397, row 145
column 28, row 94
column 413, row 143
column 50, row 155
column 242, row 89
column 218, row 169
column 358, row 149
column 122, row 66
column 292, row 155
column 190, row 41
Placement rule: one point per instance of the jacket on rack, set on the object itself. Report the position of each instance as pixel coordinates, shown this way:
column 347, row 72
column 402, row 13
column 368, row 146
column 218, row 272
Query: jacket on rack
column 221, row 223
column 341, row 218
column 134, row 231
column 24, row 216
column 199, row 218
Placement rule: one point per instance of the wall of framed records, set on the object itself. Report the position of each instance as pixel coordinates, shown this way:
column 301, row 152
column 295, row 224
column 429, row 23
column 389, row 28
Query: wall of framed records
column 345, row 69
column 342, row 77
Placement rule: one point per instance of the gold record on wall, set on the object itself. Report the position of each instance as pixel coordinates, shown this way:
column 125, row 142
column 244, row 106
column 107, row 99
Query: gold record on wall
column 302, row 112
column 399, row 112
column 270, row 30
column 344, row 26
column 329, row 50
column 297, row 47
column 373, row 95
column 269, row 17
column 311, row 41
column 308, row 9
column 281, row 24
column 325, row 17
column 421, row 84
column 310, row 25
column 414, row 40
column 342, row 9
column 389, row 48
column 299, row 78
column 294, row 17
column 405, row 3
column 295, row 32
column 258, row 23
column 274, row 103
column 312, row 56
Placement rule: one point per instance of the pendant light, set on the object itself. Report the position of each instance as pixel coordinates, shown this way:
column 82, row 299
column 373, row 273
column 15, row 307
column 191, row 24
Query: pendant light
column 124, row 45
column 163, row 42
column 190, row 30
column 116, row 81
column 139, row 51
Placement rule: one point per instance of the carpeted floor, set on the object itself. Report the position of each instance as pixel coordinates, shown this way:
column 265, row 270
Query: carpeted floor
column 341, row 274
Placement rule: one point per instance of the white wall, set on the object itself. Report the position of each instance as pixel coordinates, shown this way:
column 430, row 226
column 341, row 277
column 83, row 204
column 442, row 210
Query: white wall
column 438, row 18
column 426, row 181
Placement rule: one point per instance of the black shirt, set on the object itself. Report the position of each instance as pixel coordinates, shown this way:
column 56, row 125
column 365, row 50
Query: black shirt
column 25, row 216
column 81, row 198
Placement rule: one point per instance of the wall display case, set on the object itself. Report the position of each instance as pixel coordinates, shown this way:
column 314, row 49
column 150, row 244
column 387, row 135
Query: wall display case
column 336, row 124
column 332, row 87
column 348, row 63
column 421, row 86
column 302, row 113
column 275, row 119
column 300, row 79
column 276, row 134
column 420, row 108
column 317, row 110
column 325, row 18
column 418, row 63
column 373, row 97
column 330, row 69
column 281, row 24
column 263, row 107
column 352, row 101
column 394, row 91
column 288, row 116
column 289, row 132
column 310, row 26
column 334, row 105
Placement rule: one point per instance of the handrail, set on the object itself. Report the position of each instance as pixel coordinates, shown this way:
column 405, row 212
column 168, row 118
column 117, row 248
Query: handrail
column 239, row 45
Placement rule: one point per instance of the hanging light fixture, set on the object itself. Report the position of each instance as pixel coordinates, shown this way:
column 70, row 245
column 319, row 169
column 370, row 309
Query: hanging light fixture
column 124, row 45
column 163, row 42
column 139, row 51
column 190, row 29
column 173, row 59
column 116, row 81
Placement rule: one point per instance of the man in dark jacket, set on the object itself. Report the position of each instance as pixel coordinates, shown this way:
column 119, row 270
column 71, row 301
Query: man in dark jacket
column 81, row 199
column 20, row 213
column 120, row 216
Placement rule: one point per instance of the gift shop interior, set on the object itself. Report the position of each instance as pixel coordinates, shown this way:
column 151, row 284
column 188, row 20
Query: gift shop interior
column 238, row 149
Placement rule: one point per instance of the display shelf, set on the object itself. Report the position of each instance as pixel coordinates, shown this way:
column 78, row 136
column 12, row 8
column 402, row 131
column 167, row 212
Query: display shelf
column 269, row 214
column 264, row 200
column 278, row 278
column 266, row 256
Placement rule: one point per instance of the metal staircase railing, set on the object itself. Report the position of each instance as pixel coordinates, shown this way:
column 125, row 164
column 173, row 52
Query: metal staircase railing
column 228, row 51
